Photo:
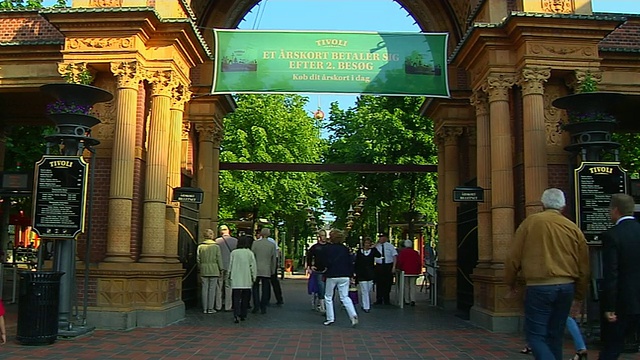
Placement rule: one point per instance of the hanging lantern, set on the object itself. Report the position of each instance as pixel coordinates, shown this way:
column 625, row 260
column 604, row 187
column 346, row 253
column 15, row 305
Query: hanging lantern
column 318, row 114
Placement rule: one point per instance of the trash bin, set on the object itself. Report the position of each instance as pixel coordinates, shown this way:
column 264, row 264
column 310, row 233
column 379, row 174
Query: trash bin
column 38, row 307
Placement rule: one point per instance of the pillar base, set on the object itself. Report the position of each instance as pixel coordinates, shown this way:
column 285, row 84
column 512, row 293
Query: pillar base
column 496, row 322
column 118, row 258
column 134, row 318
column 152, row 259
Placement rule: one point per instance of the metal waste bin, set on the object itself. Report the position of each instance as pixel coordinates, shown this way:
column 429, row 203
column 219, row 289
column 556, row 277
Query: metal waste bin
column 38, row 307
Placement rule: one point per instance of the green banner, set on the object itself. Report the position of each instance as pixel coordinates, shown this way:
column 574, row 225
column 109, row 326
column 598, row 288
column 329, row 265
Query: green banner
column 407, row 64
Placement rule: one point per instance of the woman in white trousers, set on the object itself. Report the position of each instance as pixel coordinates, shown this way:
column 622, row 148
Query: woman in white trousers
column 365, row 273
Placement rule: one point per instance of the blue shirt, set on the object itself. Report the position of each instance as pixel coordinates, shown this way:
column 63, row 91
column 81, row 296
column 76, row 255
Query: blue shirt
column 338, row 261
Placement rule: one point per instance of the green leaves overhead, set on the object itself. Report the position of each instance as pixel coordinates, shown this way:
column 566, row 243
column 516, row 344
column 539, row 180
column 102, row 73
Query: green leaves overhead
column 264, row 129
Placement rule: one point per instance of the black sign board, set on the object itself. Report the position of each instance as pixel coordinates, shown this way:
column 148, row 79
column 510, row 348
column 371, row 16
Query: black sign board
column 16, row 183
column 468, row 194
column 188, row 194
column 595, row 182
column 59, row 196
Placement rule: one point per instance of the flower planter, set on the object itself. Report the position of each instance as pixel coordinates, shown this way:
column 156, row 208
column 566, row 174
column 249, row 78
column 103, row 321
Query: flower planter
column 77, row 93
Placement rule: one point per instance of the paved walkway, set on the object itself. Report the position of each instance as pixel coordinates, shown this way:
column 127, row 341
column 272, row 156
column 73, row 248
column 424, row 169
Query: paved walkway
column 293, row 331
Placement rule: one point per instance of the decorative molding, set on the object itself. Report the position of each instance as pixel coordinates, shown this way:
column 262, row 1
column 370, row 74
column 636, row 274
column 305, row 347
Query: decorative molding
column 562, row 50
column 558, row 6
column 580, row 75
column 480, row 101
column 162, row 82
column 472, row 135
column 128, row 73
column 99, row 43
column 498, row 87
column 532, row 80
column 105, row 3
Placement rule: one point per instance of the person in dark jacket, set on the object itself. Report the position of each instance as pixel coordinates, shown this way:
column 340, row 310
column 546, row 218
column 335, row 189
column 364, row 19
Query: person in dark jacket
column 316, row 268
column 339, row 269
column 621, row 269
column 365, row 272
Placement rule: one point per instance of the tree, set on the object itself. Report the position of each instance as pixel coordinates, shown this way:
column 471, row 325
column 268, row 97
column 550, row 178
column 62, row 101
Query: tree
column 265, row 129
column 382, row 130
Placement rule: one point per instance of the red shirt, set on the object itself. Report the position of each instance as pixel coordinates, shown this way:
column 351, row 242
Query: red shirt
column 1, row 308
column 409, row 261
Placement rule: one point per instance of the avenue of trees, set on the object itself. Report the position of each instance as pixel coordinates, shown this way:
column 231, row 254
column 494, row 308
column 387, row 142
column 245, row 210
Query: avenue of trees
column 378, row 130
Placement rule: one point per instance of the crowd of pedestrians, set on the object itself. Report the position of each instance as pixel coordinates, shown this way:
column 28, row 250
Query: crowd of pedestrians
column 233, row 271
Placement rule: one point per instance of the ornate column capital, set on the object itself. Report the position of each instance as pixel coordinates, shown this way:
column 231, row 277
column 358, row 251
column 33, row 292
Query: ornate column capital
column 73, row 72
column 186, row 129
column 128, row 73
column 498, row 86
column 580, row 75
column 448, row 135
column 480, row 101
column 180, row 95
column 162, row 82
column 532, row 80
column 210, row 131
column 472, row 135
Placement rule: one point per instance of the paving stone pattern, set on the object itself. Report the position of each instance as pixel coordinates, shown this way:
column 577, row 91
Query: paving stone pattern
column 293, row 331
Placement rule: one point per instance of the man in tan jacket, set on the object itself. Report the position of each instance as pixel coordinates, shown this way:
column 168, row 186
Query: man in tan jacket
column 265, row 252
column 552, row 255
column 209, row 260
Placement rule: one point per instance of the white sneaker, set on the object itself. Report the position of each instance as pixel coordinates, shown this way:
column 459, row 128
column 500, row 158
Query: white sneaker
column 327, row 323
column 354, row 321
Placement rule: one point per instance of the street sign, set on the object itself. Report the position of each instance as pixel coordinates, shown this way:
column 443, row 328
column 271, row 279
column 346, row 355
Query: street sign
column 468, row 194
column 59, row 196
column 188, row 194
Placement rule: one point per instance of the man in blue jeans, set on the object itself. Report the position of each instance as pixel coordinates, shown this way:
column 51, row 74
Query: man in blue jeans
column 552, row 255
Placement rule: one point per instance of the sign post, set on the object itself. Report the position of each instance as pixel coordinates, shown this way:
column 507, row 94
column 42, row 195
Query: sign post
column 60, row 190
column 595, row 182
column 468, row 194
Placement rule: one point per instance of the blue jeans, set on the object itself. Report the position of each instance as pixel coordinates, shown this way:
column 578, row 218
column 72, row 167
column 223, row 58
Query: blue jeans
column 546, row 309
column 576, row 335
column 321, row 284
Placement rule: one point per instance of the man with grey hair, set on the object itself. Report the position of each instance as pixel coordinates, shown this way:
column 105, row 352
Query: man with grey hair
column 551, row 253
column 265, row 253
column 621, row 269
column 227, row 244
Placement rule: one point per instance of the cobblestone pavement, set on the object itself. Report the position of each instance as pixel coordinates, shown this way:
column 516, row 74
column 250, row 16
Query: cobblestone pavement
column 293, row 331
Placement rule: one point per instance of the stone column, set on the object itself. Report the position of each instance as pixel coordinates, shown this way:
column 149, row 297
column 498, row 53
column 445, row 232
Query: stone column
column 448, row 250
column 155, row 195
column 483, row 175
column 185, row 144
column 498, row 88
column 180, row 95
column 535, row 138
column 204, row 173
column 215, row 178
column 122, row 162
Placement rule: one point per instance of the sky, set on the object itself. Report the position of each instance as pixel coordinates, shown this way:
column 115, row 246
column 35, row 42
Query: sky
column 358, row 15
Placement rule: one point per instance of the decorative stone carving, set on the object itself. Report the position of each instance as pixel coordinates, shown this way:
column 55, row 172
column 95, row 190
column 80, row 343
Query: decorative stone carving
column 100, row 43
column 180, row 95
column 557, row 6
column 498, row 87
column 186, row 129
column 561, row 50
column 532, row 80
column 449, row 134
column 128, row 73
column 210, row 131
column 480, row 101
column 554, row 118
column 72, row 70
column 105, row 3
column 162, row 82
column 580, row 75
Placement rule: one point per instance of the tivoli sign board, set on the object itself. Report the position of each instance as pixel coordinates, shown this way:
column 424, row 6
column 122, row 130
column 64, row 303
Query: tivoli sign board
column 395, row 64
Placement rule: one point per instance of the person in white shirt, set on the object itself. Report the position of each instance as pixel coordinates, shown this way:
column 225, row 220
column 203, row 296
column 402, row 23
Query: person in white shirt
column 384, row 269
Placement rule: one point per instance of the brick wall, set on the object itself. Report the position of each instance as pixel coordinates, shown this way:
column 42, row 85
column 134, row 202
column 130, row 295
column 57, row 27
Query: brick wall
column 26, row 26
column 100, row 213
column 91, row 293
column 560, row 177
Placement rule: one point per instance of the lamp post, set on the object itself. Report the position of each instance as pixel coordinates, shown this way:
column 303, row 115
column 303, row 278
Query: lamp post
column 73, row 136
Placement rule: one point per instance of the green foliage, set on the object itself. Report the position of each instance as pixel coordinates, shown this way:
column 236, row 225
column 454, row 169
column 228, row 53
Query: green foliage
column 265, row 129
column 73, row 76
column 28, row 4
column 381, row 130
column 25, row 146
column 589, row 84
column 629, row 151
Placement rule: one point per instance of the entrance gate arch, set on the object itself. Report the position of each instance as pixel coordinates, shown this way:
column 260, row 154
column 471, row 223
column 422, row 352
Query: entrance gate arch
column 158, row 65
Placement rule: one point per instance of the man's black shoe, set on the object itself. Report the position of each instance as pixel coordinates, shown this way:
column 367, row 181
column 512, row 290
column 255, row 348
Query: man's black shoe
column 280, row 303
column 263, row 311
column 255, row 311
column 377, row 303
